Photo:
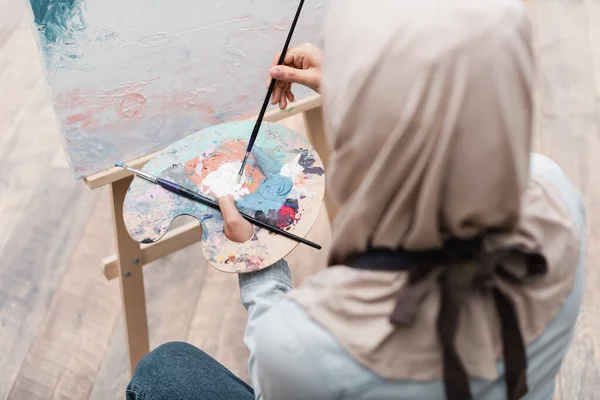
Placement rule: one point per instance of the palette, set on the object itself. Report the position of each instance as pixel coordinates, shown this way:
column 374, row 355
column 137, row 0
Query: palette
column 283, row 186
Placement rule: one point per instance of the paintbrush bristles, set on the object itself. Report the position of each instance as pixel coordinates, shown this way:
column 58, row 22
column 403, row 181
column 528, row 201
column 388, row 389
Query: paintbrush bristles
column 141, row 174
column 241, row 171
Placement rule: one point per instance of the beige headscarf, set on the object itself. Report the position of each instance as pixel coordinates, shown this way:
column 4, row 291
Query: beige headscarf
column 429, row 111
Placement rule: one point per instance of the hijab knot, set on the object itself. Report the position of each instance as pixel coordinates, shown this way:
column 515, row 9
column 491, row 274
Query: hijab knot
column 460, row 267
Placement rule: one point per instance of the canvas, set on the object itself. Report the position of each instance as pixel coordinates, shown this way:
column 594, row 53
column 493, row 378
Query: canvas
column 131, row 77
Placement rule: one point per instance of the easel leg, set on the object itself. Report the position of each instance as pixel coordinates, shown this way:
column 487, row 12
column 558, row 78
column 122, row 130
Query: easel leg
column 131, row 278
column 315, row 129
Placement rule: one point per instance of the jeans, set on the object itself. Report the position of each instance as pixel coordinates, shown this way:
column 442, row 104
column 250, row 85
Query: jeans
column 180, row 371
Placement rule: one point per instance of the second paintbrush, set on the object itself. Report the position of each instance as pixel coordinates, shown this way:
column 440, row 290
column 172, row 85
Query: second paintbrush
column 182, row 191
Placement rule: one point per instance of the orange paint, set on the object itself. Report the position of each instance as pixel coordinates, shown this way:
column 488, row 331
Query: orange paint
column 232, row 151
column 190, row 165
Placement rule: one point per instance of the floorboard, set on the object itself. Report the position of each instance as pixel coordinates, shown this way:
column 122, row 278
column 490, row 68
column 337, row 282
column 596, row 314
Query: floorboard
column 569, row 132
column 71, row 343
column 33, row 262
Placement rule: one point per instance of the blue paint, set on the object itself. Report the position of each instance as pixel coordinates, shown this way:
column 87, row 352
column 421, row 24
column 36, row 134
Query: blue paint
column 307, row 161
column 57, row 21
column 270, row 195
column 268, row 165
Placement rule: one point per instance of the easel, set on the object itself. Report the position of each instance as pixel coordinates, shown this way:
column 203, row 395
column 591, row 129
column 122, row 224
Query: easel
column 131, row 256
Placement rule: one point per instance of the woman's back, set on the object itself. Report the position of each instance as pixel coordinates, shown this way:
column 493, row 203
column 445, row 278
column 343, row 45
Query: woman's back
column 296, row 358
column 455, row 261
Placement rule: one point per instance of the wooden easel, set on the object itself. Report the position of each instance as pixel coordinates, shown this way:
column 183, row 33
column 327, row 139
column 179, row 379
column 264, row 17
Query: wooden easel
column 130, row 256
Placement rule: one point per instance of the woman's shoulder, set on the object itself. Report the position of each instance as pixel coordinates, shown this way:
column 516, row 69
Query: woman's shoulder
column 547, row 172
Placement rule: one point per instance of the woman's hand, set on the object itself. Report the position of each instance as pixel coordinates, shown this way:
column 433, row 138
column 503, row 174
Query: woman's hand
column 236, row 227
column 302, row 65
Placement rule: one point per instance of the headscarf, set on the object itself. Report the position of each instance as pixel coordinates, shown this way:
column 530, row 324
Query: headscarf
column 429, row 113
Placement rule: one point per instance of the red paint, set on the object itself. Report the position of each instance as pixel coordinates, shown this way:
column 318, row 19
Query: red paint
column 83, row 117
column 285, row 215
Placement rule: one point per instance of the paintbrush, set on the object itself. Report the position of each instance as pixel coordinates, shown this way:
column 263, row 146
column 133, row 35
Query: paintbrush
column 261, row 114
column 182, row 191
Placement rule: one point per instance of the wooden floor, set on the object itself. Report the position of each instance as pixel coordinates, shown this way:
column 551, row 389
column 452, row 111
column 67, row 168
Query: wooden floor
column 61, row 333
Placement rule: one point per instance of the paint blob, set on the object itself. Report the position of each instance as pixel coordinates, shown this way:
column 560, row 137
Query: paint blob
column 57, row 20
column 223, row 181
column 293, row 168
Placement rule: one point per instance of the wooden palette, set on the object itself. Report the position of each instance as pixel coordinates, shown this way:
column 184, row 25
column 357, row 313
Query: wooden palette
column 284, row 186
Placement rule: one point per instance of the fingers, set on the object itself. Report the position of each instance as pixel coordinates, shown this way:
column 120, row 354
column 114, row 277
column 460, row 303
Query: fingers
column 298, row 67
column 313, row 55
column 228, row 209
column 276, row 59
column 279, row 91
column 276, row 95
column 235, row 226
column 291, row 58
column 283, row 95
column 306, row 77
column 283, row 102
column 287, row 97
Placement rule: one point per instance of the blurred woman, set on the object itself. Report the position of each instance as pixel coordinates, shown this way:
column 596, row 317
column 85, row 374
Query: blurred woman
column 456, row 258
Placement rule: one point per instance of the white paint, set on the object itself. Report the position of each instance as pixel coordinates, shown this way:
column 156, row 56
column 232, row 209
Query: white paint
column 295, row 172
column 292, row 169
column 223, row 181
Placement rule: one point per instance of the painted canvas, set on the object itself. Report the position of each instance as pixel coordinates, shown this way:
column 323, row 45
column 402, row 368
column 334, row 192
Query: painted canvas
column 131, row 77
column 283, row 186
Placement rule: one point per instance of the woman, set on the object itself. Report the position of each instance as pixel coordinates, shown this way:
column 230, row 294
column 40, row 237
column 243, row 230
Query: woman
column 456, row 259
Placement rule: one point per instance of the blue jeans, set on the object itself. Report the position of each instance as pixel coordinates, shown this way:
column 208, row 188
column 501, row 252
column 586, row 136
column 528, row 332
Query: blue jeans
column 180, row 371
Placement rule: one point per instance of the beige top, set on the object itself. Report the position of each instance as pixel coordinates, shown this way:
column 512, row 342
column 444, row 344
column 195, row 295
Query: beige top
column 429, row 111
